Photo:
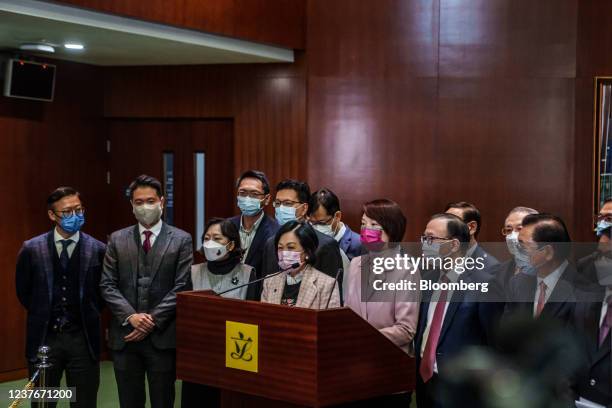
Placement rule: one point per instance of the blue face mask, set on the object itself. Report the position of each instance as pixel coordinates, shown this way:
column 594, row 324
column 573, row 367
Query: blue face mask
column 284, row 214
column 72, row 223
column 249, row 206
column 602, row 226
column 523, row 262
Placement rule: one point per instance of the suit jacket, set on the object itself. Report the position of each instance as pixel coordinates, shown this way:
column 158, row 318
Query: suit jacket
column 170, row 274
column 315, row 290
column 329, row 260
column 350, row 243
column 503, row 272
column 267, row 228
column 469, row 321
column 594, row 382
column 34, row 284
column 397, row 319
column 488, row 259
column 560, row 304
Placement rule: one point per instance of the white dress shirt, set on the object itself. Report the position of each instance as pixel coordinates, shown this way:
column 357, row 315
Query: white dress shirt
column 550, row 281
column 246, row 237
column 340, row 232
column 155, row 229
column 58, row 244
column 452, row 277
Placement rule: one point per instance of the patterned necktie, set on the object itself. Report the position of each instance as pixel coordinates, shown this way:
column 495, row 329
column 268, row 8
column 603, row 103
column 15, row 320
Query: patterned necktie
column 541, row 299
column 64, row 258
column 429, row 354
column 146, row 245
column 606, row 324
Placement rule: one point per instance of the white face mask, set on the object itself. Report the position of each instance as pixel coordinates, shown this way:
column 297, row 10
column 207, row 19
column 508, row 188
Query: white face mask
column 512, row 242
column 147, row 214
column 214, row 250
column 325, row 229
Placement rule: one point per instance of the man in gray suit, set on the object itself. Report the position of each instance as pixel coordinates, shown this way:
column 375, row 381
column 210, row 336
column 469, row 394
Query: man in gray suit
column 144, row 268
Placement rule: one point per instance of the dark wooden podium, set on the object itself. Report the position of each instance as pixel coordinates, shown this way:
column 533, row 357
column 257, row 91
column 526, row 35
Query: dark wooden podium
column 306, row 358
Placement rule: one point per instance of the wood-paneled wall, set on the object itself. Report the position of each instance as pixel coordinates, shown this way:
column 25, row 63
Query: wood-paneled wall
column 43, row 145
column 435, row 101
column 277, row 22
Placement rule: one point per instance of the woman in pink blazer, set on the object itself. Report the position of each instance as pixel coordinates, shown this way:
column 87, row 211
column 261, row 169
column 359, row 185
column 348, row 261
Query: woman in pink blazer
column 382, row 223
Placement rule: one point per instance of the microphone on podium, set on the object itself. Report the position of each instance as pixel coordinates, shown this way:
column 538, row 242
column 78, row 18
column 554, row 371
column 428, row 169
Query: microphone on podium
column 292, row 266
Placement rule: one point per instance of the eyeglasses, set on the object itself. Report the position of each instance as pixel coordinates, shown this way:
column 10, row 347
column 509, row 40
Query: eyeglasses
column 430, row 239
column 68, row 213
column 286, row 203
column 602, row 217
column 250, row 194
column 322, row 222
column 509, row 230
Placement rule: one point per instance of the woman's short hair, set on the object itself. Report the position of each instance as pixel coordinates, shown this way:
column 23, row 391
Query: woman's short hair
column 228, row 229
column 305, row 234
column 389, row 215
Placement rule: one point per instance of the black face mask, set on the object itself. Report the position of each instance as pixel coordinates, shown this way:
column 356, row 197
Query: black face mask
column 224, row 266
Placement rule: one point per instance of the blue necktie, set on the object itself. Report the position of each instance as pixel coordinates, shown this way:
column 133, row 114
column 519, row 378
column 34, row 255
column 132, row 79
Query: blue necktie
column 64, row 258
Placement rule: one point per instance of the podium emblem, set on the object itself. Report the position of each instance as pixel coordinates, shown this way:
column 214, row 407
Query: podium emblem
column 241, row 341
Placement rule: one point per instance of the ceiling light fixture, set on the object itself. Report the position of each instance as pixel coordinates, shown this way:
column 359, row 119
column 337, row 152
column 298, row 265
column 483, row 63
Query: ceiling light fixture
column 37, row 48
column 74, row 46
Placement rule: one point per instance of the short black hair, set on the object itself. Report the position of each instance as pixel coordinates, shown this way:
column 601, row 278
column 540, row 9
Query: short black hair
column 326, row 198
column 256, row 174
column 300, row 187
column 550, row 229
column 469, row 211
column 305, row 234
column 607, row 201
column 146, row 181
column 228, row 229
column 60, row 193
column 456, row 228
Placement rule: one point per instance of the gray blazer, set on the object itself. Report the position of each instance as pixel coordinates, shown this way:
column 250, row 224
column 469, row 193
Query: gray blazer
column 171, row 273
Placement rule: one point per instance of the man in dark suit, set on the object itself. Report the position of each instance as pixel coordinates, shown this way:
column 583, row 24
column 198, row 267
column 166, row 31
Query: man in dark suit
column 144, row 268
column 450, row 321
column 546, row 282
column 254, row 225
column 504, row 271
column 57, row 279
column 291, row 203
column 325, row 216
column 471, row 216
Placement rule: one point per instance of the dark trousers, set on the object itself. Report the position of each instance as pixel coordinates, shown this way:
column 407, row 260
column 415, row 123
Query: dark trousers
column 401, row 400
column 200, row 396
column 427, row 394
column 69, row 353
column 138, row 359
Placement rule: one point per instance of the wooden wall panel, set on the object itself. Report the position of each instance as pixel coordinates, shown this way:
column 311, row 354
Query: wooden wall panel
column 277, row 22
column 45, row 145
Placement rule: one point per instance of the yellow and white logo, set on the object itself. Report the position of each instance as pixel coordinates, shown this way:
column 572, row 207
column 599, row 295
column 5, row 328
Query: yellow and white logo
column 241, row 341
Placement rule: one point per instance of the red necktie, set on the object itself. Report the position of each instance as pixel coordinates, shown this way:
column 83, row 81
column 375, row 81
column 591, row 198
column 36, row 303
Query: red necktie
column 541, row 299
column 606, row 325
column 429, row 354
column 146, row 245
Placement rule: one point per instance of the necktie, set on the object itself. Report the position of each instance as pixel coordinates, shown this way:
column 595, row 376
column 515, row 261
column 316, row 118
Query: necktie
column 429, row 354
column 604, row 330
column 541, row 299
column 146, row 245
column 64, row 258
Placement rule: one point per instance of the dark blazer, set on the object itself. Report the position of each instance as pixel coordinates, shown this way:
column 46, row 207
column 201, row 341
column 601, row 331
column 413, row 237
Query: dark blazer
column 171, row 273
column 503, row 272
column 267, row 228
column 34, row 284
column 329, row 260
column 350, row 243
column 488, row 259
column 469, row 319
column 594, row 382
column 560, row 305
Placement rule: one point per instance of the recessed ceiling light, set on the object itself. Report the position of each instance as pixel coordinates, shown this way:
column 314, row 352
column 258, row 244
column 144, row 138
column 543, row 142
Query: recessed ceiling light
column 74, row 46
column 37, row 48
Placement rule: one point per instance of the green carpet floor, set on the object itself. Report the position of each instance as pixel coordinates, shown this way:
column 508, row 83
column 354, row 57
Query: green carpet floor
column 107, row 393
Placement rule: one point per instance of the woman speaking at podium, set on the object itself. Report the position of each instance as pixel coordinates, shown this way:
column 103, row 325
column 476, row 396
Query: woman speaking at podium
column 301, row 285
